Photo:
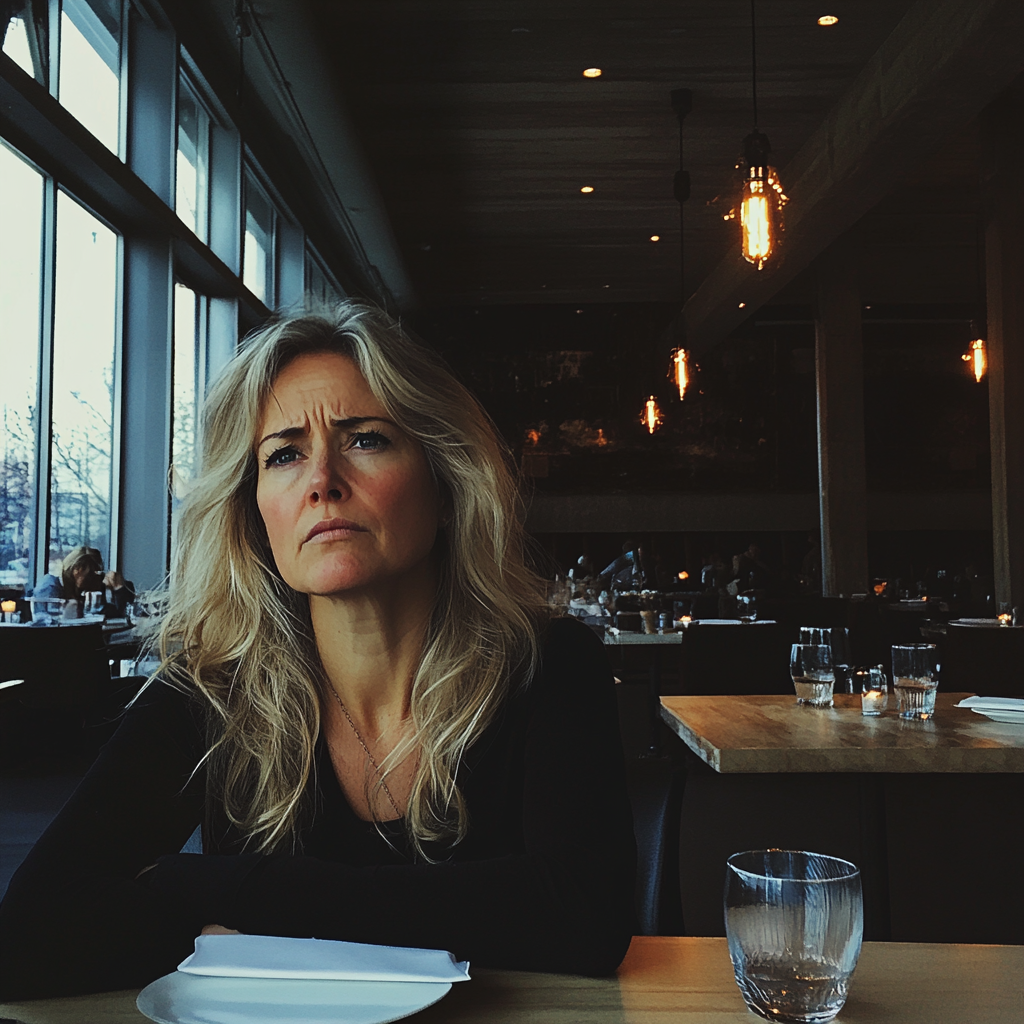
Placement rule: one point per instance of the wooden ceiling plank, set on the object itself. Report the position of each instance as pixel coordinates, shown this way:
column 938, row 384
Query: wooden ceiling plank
column 936, row 71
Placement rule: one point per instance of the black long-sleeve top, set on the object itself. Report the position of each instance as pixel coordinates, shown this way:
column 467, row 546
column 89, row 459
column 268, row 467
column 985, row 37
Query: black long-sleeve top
column 543, row 881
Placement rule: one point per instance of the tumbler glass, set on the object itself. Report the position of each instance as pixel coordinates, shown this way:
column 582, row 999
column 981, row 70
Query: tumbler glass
column 813, row 678
column 795, row 922
column 915, row 678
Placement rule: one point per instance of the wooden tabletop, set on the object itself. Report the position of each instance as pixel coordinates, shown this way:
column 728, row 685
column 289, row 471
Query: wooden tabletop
column 679, row 981
column 775, row 734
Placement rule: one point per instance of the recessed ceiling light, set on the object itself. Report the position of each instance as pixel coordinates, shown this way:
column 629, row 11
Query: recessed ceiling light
column 606, row 286
column 592, row 73
column 742, row 305
column 655, row 238
column 828, row 19
column 587, row 188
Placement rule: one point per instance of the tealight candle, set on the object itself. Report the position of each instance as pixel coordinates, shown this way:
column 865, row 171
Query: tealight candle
column 874, row 696
column 1005, row 619
column 8, row 606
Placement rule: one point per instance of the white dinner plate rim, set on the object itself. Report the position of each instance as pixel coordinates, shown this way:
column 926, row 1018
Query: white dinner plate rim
column 1006, row 716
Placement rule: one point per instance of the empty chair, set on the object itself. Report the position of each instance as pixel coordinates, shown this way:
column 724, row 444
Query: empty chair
column 739, row 659
column 656, row 795
column 989, row 661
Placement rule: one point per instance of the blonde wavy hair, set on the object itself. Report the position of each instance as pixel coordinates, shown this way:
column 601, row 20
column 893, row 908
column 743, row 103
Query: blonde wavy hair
column 234, row 631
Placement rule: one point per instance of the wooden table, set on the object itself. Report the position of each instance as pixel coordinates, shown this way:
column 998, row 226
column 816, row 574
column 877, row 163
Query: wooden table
column 929, row 811
column 775, row 734
column 682, row 981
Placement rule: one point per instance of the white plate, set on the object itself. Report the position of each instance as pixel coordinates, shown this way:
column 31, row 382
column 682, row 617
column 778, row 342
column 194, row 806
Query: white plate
column 1006, row 717
column 181, row 998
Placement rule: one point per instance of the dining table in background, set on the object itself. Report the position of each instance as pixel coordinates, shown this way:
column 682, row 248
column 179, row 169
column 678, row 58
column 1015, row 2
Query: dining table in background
column 684, row 980
column 929, row 810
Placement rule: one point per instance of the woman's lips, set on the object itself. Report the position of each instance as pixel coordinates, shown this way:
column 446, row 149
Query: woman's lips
column 332, row 529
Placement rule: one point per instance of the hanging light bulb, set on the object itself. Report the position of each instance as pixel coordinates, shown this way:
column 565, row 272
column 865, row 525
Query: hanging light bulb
column 651, row 417
column 975, row 355
column 759, row 205
column 760, row 202
column 680, row 370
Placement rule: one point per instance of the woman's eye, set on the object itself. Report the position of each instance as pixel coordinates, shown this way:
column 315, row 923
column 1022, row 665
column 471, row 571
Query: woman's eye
column 370, row 440
column 281, row 457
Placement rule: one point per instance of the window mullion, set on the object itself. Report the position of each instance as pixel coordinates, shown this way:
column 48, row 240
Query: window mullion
column 44, row 392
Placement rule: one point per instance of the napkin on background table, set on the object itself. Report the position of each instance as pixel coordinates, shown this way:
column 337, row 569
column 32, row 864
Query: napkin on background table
column 993, row 703
column 269, row 956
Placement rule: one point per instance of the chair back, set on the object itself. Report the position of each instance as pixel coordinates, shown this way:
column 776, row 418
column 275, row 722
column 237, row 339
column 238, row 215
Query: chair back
column 988, row 661
column 656, row 795
column 63, row 666
column 740, row 659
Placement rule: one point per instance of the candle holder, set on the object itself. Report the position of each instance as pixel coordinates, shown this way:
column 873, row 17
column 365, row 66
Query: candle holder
column 874, row 690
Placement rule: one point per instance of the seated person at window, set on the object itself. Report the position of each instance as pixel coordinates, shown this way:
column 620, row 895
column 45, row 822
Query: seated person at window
column 81, row 571
column 362, row 701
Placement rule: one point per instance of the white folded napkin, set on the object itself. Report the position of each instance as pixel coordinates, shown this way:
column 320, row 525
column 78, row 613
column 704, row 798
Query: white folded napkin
column 269, row 956
column 993, row 704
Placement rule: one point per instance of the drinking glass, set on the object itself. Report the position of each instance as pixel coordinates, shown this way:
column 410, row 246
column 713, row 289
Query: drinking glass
column 915, row 676
column 94, row 602
column 813, row 678
column 746, row 607
column 795, row 922
column 874, row 689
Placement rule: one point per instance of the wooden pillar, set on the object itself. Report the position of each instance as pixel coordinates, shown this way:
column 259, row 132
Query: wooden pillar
column 1004, row 285
column 839, row 354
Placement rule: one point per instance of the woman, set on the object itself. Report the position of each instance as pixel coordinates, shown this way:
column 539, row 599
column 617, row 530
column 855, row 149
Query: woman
column 82, row 571
column 362, row 701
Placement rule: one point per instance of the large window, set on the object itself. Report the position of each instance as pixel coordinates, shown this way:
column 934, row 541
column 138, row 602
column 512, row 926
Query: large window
column 90, row 65
column 21, row 219
column 84, row 335
column 25, row 39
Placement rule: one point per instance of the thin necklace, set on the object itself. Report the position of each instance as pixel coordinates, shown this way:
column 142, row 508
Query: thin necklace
column 362, row 743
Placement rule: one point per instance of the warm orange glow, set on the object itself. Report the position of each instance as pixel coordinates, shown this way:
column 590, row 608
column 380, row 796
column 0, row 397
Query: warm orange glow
column 533, row 437
column 680, row 371
column 592, row 73
column 655, row 238
column 759, row 212
column 686, row 618
column 1004, row 619
column 684, row 575
column 828, row 19
column 587, row 188
column 8, row 606
column 975, row 355
column 651, row 417
column 879, row 589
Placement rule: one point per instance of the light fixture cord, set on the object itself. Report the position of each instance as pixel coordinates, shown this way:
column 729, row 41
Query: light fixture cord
column 682, row 247
column 753, row 60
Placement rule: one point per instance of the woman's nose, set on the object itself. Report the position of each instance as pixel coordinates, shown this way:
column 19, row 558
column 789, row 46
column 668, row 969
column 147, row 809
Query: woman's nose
column 327, row 482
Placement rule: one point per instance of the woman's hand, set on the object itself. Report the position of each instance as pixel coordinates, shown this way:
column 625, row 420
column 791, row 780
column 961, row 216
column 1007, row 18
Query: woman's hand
column 114, row 580
column 218, row 929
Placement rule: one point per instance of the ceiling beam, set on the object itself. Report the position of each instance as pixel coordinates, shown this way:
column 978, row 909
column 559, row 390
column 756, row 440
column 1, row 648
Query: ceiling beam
column 940, row 66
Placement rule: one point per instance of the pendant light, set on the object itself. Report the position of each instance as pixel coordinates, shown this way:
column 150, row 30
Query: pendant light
column 651, row 417
column 977, row 357
column 679, row 366
column 761, row 198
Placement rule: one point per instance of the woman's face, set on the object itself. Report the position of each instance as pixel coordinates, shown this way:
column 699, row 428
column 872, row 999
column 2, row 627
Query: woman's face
column 346, row 495
column 84, row 574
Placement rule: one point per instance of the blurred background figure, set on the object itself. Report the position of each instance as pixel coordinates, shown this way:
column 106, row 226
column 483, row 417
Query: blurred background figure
column 82, row 572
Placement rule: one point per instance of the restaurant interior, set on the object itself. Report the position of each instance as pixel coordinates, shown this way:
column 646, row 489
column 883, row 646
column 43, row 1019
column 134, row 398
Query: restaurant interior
column 740, row 285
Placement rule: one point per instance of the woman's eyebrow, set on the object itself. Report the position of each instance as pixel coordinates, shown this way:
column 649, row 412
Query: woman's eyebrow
column 346, row 424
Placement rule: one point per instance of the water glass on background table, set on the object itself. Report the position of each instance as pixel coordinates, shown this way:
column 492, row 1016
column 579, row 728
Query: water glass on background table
column 810, row 665
column 915, row 677
column 794, row 922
